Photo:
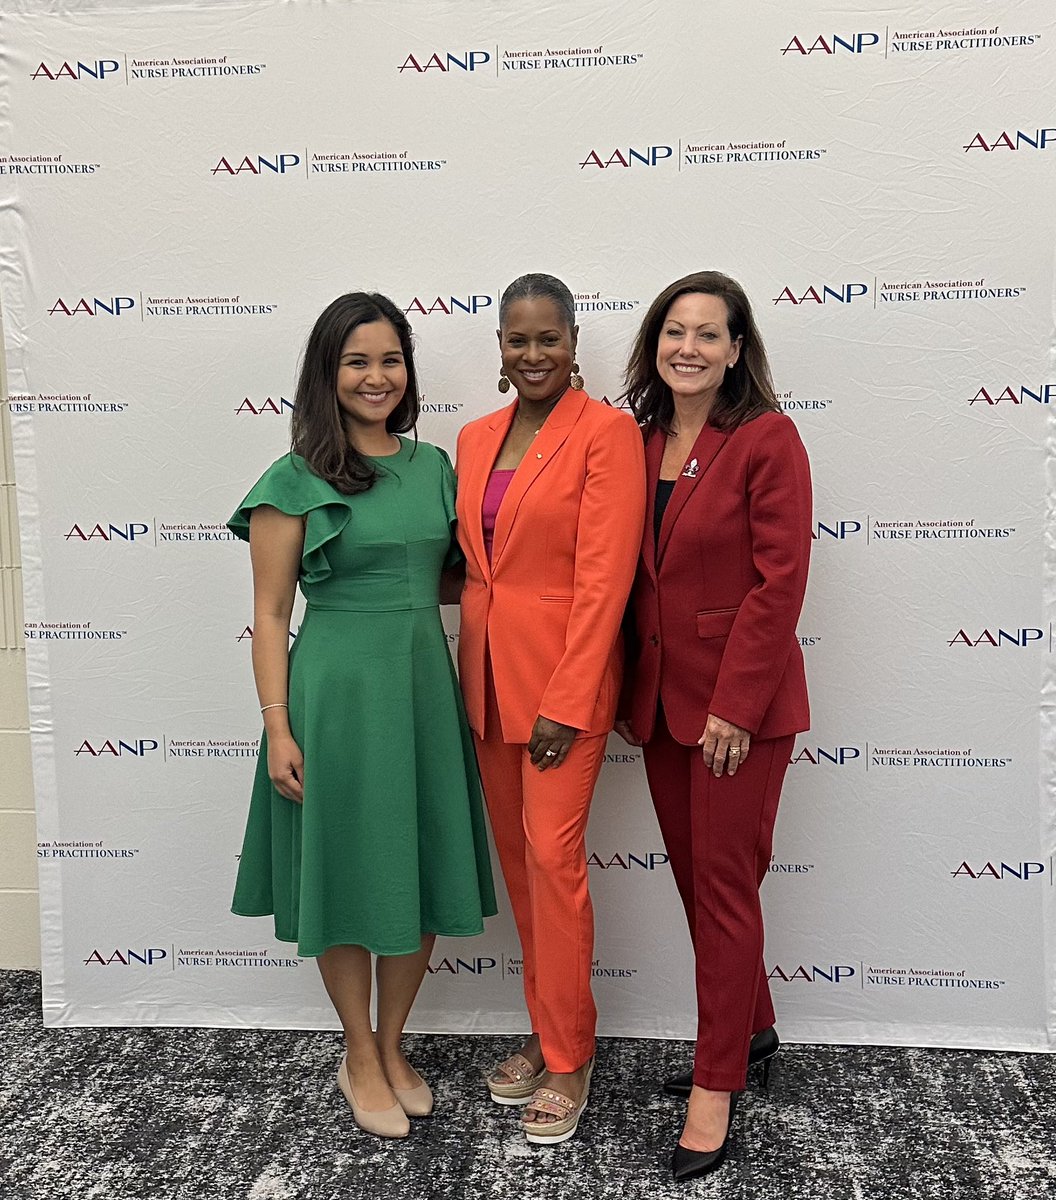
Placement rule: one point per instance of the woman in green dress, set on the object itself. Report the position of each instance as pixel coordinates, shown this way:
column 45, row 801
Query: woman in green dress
column 365, row 832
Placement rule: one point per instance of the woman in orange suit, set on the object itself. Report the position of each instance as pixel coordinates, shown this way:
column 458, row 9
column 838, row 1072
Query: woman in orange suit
column 718, row 686
column 551, row 504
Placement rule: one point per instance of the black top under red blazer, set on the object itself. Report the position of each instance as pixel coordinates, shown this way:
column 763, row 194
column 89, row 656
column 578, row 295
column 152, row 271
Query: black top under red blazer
column 716, row 600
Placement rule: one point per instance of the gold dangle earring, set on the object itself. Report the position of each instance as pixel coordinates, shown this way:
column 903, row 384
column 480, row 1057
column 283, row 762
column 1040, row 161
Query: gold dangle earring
column 575, row 380
column 504, row 383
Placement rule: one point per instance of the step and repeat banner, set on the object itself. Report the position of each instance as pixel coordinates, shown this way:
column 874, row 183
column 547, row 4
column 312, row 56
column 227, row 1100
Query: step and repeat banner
column 184, row 188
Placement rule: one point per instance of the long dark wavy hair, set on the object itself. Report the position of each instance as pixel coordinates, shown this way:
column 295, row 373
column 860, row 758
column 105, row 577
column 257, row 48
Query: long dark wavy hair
column 317, row 432
column 748, row 388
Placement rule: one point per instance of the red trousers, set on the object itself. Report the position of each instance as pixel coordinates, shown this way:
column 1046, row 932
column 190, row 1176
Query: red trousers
column 718, row 835
column 539, row 820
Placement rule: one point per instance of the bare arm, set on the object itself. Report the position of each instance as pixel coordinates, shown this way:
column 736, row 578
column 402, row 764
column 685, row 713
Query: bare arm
column 452, row 581
column 275, row 543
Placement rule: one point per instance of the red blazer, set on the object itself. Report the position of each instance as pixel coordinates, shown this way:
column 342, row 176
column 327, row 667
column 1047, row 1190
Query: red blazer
column 717, row 599
column 548, row 607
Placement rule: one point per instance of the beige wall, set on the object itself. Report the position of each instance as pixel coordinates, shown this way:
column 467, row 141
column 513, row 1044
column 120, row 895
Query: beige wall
column 19, row 919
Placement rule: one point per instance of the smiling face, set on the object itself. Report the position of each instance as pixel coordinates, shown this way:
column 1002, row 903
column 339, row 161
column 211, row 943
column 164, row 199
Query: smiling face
column 694, row 348
column 371, row 377
column 537, row 349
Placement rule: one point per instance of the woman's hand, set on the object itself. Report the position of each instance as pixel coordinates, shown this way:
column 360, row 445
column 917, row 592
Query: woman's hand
column 725, row 745
column 623, row 728
column 550, row 743
column 286, row 767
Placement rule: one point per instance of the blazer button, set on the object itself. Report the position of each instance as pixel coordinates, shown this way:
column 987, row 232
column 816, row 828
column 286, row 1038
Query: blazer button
column 654, row 640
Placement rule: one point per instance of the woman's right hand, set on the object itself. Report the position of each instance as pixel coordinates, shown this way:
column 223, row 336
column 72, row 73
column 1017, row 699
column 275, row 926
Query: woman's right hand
column 286, row 767
column 623, row 728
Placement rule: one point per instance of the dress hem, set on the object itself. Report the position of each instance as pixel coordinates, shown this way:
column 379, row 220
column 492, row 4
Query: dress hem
column 372, row 947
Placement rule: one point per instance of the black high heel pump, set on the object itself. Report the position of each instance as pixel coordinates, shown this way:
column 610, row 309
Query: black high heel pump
column 689, row 1164
column 762, row 1049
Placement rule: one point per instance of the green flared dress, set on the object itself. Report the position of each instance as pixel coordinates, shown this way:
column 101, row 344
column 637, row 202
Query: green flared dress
column 390, row 842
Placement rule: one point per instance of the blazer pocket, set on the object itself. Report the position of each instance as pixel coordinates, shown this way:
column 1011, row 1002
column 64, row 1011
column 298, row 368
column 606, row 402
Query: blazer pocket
column 557, row 599
column 717, row 622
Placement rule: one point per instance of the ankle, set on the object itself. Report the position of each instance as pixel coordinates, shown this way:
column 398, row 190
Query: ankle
column 397, row 1067
column 533, row 1051
column 578, row 1073
column 361, row 1059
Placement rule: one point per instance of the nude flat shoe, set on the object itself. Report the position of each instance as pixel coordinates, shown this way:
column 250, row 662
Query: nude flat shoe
column 416, row 1101
column 386, row 1122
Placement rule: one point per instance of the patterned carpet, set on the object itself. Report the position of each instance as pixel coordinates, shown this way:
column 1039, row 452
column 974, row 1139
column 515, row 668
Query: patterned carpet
column 190, row 1114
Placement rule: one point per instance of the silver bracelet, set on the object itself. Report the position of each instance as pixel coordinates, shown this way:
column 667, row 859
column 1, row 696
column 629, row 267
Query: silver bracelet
column 267, row 706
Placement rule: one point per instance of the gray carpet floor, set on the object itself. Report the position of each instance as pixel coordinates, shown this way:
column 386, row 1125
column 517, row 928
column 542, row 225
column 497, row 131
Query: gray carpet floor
column 192, row 1114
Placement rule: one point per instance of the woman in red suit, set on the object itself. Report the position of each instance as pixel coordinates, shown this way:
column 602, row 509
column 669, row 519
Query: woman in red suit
column 551, row 502
column 718, row 689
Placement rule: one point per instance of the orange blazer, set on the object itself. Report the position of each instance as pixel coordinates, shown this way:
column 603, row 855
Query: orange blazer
column 547, row 609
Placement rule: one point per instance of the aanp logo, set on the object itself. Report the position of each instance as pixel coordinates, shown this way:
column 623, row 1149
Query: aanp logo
column 822, row 293
column 445, row 61
column 646, row 860
column 1023, row 871
column 833, row 43
column 269, row 406
column 836, row 756
column 118, row 748
column 256, row 164
column 109, row 532
column 812, row 973
column 98, row 69
column 82, row 306
column 837, row 530
column 644, row 156
column 147, row 957
column 463, row 966
column 1013, row 139
column 997, row 638
column 470, row 305
column 1041, row 393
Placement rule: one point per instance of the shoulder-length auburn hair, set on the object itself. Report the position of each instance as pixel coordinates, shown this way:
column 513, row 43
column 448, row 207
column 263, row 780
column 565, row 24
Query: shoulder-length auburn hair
column 748, row 388
column 317, row 432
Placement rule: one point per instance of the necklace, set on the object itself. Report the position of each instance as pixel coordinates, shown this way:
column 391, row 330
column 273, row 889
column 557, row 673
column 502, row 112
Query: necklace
column 535, row 432
column 529, row 423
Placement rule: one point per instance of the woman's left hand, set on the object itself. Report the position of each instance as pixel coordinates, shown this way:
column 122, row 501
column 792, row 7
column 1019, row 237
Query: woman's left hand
column 725, row 745
column 550, row 743
column 623, row 728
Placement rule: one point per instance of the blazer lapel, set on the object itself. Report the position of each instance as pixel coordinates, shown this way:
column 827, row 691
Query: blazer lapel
column 473, row 480
column 550, row 438
column 709, row 442
column 654, row 453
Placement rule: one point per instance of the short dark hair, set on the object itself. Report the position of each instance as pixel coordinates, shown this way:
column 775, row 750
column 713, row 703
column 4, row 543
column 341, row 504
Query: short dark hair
column 537, row 286
column 748, row 388
column 317, row 432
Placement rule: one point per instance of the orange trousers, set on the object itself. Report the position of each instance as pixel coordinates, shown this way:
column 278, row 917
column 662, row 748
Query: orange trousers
column 539, row 820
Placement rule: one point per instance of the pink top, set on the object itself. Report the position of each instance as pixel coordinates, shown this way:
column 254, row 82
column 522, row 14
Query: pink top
column 498, row 482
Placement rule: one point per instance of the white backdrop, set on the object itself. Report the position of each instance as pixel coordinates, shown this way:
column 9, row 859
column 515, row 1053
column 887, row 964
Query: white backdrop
column 184, row 187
